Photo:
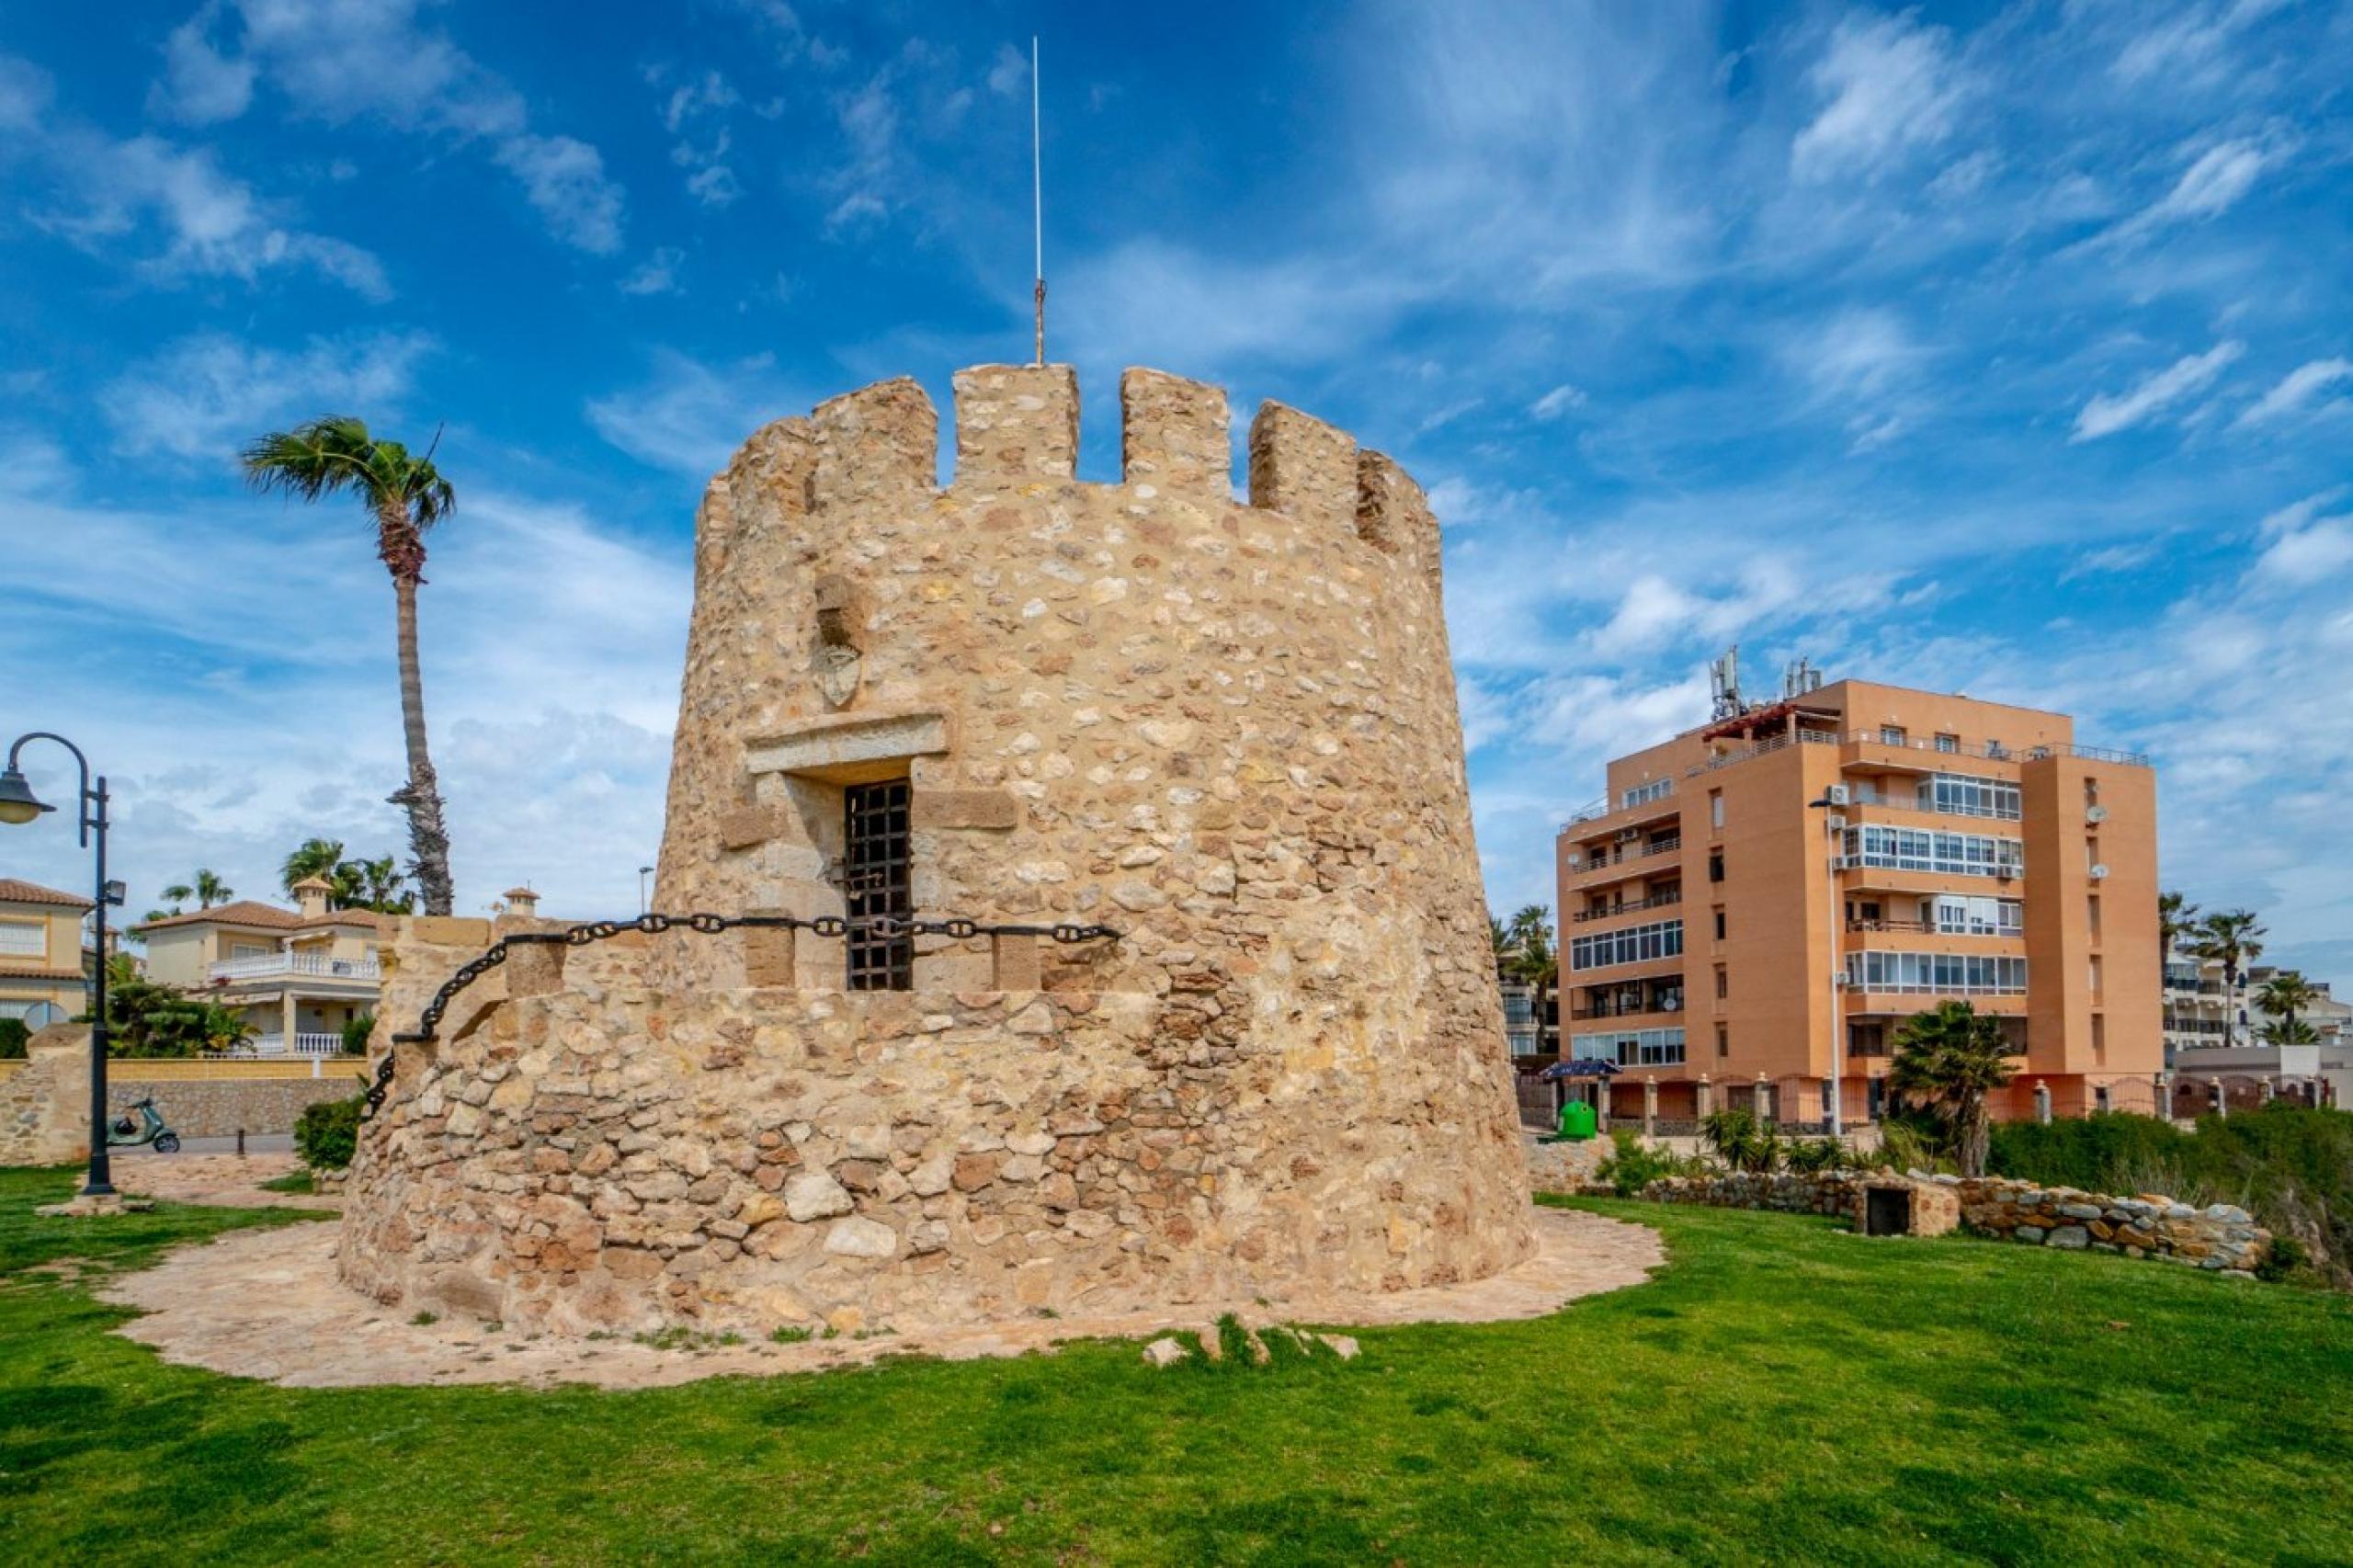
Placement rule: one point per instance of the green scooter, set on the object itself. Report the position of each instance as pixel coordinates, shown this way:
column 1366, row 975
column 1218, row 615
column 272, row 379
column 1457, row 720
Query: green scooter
column 125, row 1134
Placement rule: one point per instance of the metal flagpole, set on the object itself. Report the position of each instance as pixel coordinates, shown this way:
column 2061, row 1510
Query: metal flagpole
column 1038, row 199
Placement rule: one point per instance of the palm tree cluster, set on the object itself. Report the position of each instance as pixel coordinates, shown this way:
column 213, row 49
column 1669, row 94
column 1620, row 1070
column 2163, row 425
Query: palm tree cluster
column 205, row 887
column 406, row 496
column 1524, row 951
column 376, row 885
column 2232, row 937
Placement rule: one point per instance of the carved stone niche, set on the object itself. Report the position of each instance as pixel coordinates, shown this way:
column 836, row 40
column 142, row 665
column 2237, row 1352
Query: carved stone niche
column 835, row 661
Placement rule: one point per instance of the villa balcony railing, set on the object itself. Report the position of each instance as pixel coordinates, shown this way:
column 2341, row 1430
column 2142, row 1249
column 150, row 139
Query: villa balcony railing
column 270, row 1045
column 271, row 966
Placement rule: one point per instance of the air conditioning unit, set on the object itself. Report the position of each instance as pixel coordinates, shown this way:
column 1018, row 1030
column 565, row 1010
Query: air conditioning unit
column 2099, row 873
column 1837, row 823
column 1628, row 835
column 2094, row 813
column 1837, row 795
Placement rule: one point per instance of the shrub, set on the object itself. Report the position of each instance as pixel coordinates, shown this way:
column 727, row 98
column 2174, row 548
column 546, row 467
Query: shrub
column 2291, row 1165
column 1740, row 1141
column 13, row 1036
column 356, row 1033
column 326, row 1133
column 1812, row 1157
column 2286, row 1256
column 1630, row 1167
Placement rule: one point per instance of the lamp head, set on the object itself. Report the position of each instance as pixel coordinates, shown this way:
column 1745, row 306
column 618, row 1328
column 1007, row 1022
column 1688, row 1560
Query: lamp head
column 18, row 801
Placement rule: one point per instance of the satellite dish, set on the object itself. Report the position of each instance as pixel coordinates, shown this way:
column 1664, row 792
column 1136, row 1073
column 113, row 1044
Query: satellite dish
column 2096, row 813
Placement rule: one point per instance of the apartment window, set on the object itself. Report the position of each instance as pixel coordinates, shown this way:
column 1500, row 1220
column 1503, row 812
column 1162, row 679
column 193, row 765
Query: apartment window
column 1630, row 1047
column 1968, row 795
column 1891, row 735
column 1956, row 915
column 1723, row 983
column 2091, row 791
column 2099, row 1047
column 1723, row 1041
column 2095, row 976
column 1644, row 795
column 23, row 939
column 2091, row 914
column 1716, row 866
column 1913, row 849
column 2091, row 852
column 1937, row 974
column 249, row 950
column 1716, row 809
column 1635, row 944
column 1948, row 743
column 1720, row 922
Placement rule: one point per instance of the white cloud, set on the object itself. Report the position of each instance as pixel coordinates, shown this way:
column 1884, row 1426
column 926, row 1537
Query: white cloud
column 2105, row 416
column 200, row 84
column 2191, row 40
column 207, row 395
column 344, row 59
column 215, row 225
column 1556, row 403
column 1889, row 86
column 657, row 274
column 690, row 418
column 565, row 179
column 1010, row 73
column 25, row 94
column 2297, row 389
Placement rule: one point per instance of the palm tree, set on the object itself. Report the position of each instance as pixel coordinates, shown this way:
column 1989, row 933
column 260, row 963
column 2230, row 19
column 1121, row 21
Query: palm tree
column 2231, row 937
column 316, row 857
column 406, row 496
column 204, row 886
column 375, row 884
column 2176, row 918
column 2283, row 996
column 1949, row 1060
column 1499, row 939
column 2288, row 1031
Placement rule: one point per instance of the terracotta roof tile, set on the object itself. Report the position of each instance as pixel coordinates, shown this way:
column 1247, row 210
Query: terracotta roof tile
column 246, row 911
column 12, row 891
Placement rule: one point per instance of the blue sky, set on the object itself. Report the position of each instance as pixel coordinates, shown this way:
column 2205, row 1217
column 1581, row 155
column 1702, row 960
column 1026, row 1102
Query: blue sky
column 1995, row 347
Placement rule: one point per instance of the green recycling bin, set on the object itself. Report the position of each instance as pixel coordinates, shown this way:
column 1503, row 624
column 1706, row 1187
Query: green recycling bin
column 1577, row 1121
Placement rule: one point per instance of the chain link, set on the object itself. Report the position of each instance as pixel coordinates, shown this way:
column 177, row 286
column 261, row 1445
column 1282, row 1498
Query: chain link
column 883, row 925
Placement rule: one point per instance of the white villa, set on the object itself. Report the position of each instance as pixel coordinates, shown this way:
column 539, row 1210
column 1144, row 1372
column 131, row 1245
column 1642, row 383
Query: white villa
column 298, row 975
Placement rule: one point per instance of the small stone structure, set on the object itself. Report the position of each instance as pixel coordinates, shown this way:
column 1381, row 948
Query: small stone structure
column 2220, row 1236
column 45, row 1104
column 1889, row 1205
column 1226, row 730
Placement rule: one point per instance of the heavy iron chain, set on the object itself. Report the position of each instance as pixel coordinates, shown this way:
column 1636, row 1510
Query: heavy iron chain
column 887, row 926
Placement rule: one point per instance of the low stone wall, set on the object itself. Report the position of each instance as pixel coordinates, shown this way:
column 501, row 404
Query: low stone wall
column 2220, row 1238
column 45, row 1105
column 220, row 1109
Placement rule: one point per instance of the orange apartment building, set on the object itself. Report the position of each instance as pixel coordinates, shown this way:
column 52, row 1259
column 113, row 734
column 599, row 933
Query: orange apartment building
column 1858, row 853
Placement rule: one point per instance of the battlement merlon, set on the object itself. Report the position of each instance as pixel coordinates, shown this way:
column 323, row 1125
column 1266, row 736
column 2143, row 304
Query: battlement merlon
column 1018, row 425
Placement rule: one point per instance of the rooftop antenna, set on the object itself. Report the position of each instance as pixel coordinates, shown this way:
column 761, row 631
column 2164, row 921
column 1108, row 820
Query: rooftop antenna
column 1723, row 679
column 1037, row 198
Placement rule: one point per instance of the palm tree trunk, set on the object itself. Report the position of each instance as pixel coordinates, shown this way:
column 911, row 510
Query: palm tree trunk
column 428, row 840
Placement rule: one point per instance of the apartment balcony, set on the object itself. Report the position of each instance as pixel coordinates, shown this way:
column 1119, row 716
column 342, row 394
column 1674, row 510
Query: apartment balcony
column 1668, row 899
column 297, row 966
column 1624, row 860
column 1873, row 750
column 1858, row 876
column 1929, row 929
column 1902, row 1002
column 1662, row 1009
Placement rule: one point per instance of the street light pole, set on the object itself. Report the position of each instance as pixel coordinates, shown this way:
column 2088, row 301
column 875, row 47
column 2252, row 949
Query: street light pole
column 643, row 872
column 19, row 805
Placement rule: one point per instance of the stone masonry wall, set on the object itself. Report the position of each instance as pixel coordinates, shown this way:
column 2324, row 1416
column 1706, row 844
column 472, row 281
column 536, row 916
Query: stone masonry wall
column 219, row 1107
column 2220, row 1238
column 1226, row 730
column 45, row 1105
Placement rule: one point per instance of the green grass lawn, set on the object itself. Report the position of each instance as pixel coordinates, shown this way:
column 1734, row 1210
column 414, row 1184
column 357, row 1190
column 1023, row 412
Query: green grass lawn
column 1783, row 1391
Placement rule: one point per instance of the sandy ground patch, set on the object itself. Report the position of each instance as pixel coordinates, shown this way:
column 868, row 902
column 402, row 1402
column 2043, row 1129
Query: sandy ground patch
column 267, row 1304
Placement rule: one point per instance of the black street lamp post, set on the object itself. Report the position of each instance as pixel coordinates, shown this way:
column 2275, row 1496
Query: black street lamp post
column 20, row 804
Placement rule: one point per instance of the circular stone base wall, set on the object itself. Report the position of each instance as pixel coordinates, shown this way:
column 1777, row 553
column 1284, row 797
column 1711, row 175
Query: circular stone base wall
column 626, row 1159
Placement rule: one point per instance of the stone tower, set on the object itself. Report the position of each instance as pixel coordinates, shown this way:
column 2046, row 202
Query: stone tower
column 1226, row 731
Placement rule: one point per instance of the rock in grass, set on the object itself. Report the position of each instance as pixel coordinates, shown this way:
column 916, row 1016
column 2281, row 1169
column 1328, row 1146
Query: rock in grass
column 1164, row 1352
column 1342, row 1346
